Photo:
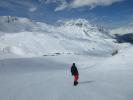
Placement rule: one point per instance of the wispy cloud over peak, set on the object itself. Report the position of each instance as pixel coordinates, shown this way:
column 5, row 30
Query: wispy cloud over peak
column 63, row 4
column 92, row 3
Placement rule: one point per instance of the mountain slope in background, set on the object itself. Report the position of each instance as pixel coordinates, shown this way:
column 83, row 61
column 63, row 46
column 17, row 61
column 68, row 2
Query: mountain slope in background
column 25, row 37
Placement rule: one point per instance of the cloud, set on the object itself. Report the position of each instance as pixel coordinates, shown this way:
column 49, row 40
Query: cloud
column 63, row 4
column 5, row 3
column 92, row 3
column 33, row 9
column 126, row 26
column 49, row 1
column 123, row 30
column 13, row 4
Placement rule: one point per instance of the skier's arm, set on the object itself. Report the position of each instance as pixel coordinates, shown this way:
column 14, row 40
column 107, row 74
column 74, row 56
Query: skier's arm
column 77, row 71
column 71, row 71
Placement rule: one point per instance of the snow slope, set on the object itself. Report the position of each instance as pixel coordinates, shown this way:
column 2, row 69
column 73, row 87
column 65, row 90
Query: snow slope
column 24, row 37
column 49, row 78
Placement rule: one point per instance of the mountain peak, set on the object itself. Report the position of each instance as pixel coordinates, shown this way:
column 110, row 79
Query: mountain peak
column 75, row 22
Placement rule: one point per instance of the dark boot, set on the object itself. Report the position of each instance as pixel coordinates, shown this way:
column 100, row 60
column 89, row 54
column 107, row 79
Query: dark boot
column 75, row 83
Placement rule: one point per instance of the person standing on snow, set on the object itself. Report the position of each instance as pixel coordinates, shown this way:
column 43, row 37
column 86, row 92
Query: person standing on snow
column 74, row 72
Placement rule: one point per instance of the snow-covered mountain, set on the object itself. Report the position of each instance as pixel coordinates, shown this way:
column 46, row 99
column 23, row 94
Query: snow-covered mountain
column 100, row 78
column 23, row 36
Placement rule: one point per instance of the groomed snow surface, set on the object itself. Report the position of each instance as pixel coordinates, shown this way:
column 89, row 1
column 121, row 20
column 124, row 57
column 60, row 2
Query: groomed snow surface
column 49, row 78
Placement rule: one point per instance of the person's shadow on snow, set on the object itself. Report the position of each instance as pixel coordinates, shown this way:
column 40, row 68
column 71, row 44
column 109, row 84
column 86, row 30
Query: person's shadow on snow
column 86, row 82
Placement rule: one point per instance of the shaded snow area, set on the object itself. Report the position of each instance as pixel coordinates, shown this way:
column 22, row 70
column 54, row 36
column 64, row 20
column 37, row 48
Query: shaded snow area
column 21, row 36
column 49, row 78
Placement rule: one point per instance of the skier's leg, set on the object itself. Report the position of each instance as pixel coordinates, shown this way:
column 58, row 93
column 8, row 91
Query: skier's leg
column 75, row 80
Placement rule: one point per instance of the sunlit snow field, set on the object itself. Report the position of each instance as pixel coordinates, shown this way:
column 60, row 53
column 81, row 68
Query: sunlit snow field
column 35, row 62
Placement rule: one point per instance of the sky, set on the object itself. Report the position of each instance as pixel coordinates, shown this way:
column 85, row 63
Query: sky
column 108, row 13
